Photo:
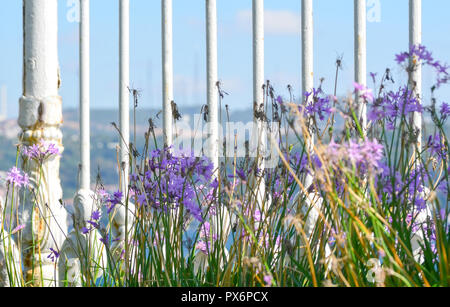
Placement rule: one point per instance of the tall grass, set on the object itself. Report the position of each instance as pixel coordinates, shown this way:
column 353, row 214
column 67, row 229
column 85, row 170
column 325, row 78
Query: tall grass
column 376, row 213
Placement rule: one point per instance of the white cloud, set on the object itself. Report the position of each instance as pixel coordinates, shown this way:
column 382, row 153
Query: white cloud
column 276, row 22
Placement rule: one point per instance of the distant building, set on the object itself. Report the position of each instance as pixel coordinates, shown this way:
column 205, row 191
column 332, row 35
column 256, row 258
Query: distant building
column 9, row 129
column 3, row 103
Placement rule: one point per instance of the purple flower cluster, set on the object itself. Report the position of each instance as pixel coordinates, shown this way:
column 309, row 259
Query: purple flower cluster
column 445, row 111
column 114, row 200
column 409, row 190
column 41, row 151
column 436, row 146
column 207, row 238
column 393, row 106
column 337, row 237
column 171, row 181
column 362, row 157
column 365, row 155
column 93, row 223
column 419, row 54
column 18, row 228
column 54, row 255
column 240, row 174
column 17, row 178
column 363, row 91
column 268, row 279
column 316, row 104
column 257, row 221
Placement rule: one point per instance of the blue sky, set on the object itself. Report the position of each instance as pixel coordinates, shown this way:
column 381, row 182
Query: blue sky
column 333, row 38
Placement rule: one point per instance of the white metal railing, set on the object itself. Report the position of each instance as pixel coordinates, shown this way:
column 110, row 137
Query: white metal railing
column 212, row 78
column 415, row 38
column 258, row 61
column 85, row 162
column 167, row 69
column 361, row 57
column 124, row 82
column 308, row 63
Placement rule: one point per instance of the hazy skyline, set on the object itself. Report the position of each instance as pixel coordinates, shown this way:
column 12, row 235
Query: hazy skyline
column 387, row 35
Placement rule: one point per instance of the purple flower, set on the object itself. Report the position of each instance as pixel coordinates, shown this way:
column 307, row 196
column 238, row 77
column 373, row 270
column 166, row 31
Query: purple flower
column 142, row 199
column 173, row 180
column 241, row 174
column 114, row 200
column 258, row 216
column 134, row 178
column 41, row 151
column 18, row 228
column 420, row 204
column 14, row 176
column 443, row 186
column 102, row 194
column 94, row 222
column 201, row 246
column 205, row 230
column 215, row 184
column 402, row 57
column 268, row 279
column 422, row 54
column 319, row 106
column 193, row 209
column 394, row 105
column 366, row 155
column 105, row 239
column 363, row 91
column 443, row 214
column 316, row 161
column 354, row 152
column 373, row 152
column 96, row 215
column 373, row 76
column 333, row 149
column 445, row 111
column 280, row 100
column 17, row 178
column 54, row 255
column 436, row 146
column 419, row 55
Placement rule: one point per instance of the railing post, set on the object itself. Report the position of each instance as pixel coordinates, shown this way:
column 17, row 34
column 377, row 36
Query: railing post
column 308, row 65
column 361, row 59
column 415, row 38
column 258, row 93
column 124, row 79
column 40, row 117
column 212, row 79
column 167, row 70
column 307, row 46
column 85, row 95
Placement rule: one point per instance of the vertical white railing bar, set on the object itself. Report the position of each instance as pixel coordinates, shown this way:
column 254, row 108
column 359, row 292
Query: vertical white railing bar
column 307, row 46
column 167, row 69
column 258, row 51
column 85, row 95
column 124, row 80
column 40, row 117
column 308, row 64
column 415, row 38
column 361, row 59
column 212, row 79
column 258, row 93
